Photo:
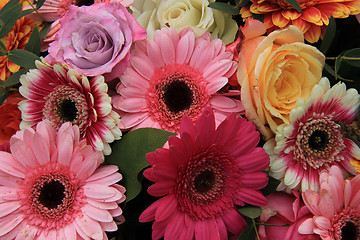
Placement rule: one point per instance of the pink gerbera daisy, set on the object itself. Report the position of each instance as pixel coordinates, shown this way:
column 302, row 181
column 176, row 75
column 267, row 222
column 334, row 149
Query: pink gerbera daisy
column 203, row 174
column 60, row 94
column 336, row 208
column 51, row 187
column 172, row 76
column 314, row 139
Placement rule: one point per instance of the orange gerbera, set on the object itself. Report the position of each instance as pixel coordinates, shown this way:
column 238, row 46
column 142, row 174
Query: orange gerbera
column 313, row 19
column 15, row 39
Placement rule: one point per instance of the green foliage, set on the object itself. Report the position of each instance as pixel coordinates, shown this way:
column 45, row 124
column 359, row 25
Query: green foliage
column 352, row 57
column 14, row 78
column 248, row 234
column 9, row 14
column 33, row 44
column 129, row 154
column 294, row 4
column 3, row 94
column 241, row 3
column 23, row 58
column 225, row 7
column 271, row 186
column 250, row 211
column 329, row 35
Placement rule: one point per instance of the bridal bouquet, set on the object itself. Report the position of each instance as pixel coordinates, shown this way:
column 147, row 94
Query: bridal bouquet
column 179, row 119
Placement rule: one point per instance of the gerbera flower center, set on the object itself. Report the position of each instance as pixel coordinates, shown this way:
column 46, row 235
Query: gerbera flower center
column 346, row 225
column 176, row 90
column 66, row 104
column 205, row 182
column 318, row 142
column 52, row 196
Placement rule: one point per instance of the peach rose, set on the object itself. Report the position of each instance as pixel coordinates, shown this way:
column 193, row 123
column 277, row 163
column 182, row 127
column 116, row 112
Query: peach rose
column 10, row 117
column 274, row 71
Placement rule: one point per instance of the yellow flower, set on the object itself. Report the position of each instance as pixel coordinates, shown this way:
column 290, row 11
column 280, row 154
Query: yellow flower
column 275, row 71
column 313, row 19
column 15, row 39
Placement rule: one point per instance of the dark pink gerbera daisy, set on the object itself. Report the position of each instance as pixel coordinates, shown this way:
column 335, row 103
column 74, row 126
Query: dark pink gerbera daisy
column 172, row 76
column 60, row 94
column 202, row 175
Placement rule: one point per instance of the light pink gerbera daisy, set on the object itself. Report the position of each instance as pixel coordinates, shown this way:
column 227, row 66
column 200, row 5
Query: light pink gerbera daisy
column 172, row 76
column 51, row 187
column 60, row 94
column 336, row 208
column 314, row 140
column 202, row 176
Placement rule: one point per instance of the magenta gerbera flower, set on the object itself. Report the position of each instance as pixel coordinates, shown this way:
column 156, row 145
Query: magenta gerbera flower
column 51, row 187
column 60, row 94
column 336, row 208
column 202, row 175
column 315, row 140
column 172, row 76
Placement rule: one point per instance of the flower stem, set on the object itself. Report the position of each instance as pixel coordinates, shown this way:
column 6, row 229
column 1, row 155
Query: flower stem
column 256, row 231
column 35, row 10
column 343, row 58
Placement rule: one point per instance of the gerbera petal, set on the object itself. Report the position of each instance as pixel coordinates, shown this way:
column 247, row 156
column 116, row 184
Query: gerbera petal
column 97, row 213
column 90, row 227
column 307, row 227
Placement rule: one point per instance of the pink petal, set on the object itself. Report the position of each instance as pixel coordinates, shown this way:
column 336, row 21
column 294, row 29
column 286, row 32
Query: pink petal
column 98, row 191
column 167, row 49
column 215, row 85
column 311, row 200
column 103, row 171
column 65, row 149
column 10, row 166
column 174, row 227
column 185, row 48
column 251, row 196
column 132, row 105
column 9, row 222
column 161, row 188
column 326, row 205
column 234, row 222
column 322, row 222
column 40, row 149
column 9, row 207
column 69, row 232
column 97, row 213
column 90, row 227
column 167, row 208
column 307, row 227
column 154, row 53
column 101, row 204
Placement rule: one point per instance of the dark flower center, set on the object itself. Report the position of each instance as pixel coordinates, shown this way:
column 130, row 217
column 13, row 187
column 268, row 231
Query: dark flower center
column 84, row 2
column 350, row 231
column 68, row 110
column 177, row 96
column 52, row 194
column 205, row 181
column 318, row 140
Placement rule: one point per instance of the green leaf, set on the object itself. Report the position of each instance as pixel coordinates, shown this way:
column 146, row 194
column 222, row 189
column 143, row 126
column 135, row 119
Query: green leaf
column 259, row 17
column 241, row 3
column 9, row 18
column 294, row 4
column 353, row 53
column 39, row 3
column 8, row 6
column 250, row 211
column 14, row 78
column 3, row 94
column 45, row 30
column 248, row 233
column 129, row 155
column 271, row 186
column 3, row 49
column 33, row 44
column 331, row 71
column 26, row 12
column 329, row 35
column 23, row 58
column 224, row 7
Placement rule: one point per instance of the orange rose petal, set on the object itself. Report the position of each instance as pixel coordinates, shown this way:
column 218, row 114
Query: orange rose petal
column 279, row 20
column 312, row 15
column 313, row 34
column 290, row 14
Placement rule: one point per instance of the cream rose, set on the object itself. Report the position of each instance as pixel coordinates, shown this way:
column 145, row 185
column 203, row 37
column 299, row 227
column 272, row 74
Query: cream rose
column 155, row 14
column 274, row 71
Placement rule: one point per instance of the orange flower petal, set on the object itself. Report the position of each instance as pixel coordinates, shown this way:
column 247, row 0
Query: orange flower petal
column 302, row 25
column 279, row 20
column 264, row 7
column 312, row 15
column 337, row 10
column 13, row 67
column 313, row 33
column 353, row 6
column 290, row 14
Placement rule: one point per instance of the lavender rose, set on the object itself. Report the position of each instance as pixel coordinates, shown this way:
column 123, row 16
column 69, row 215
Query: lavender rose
column 96, row 39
